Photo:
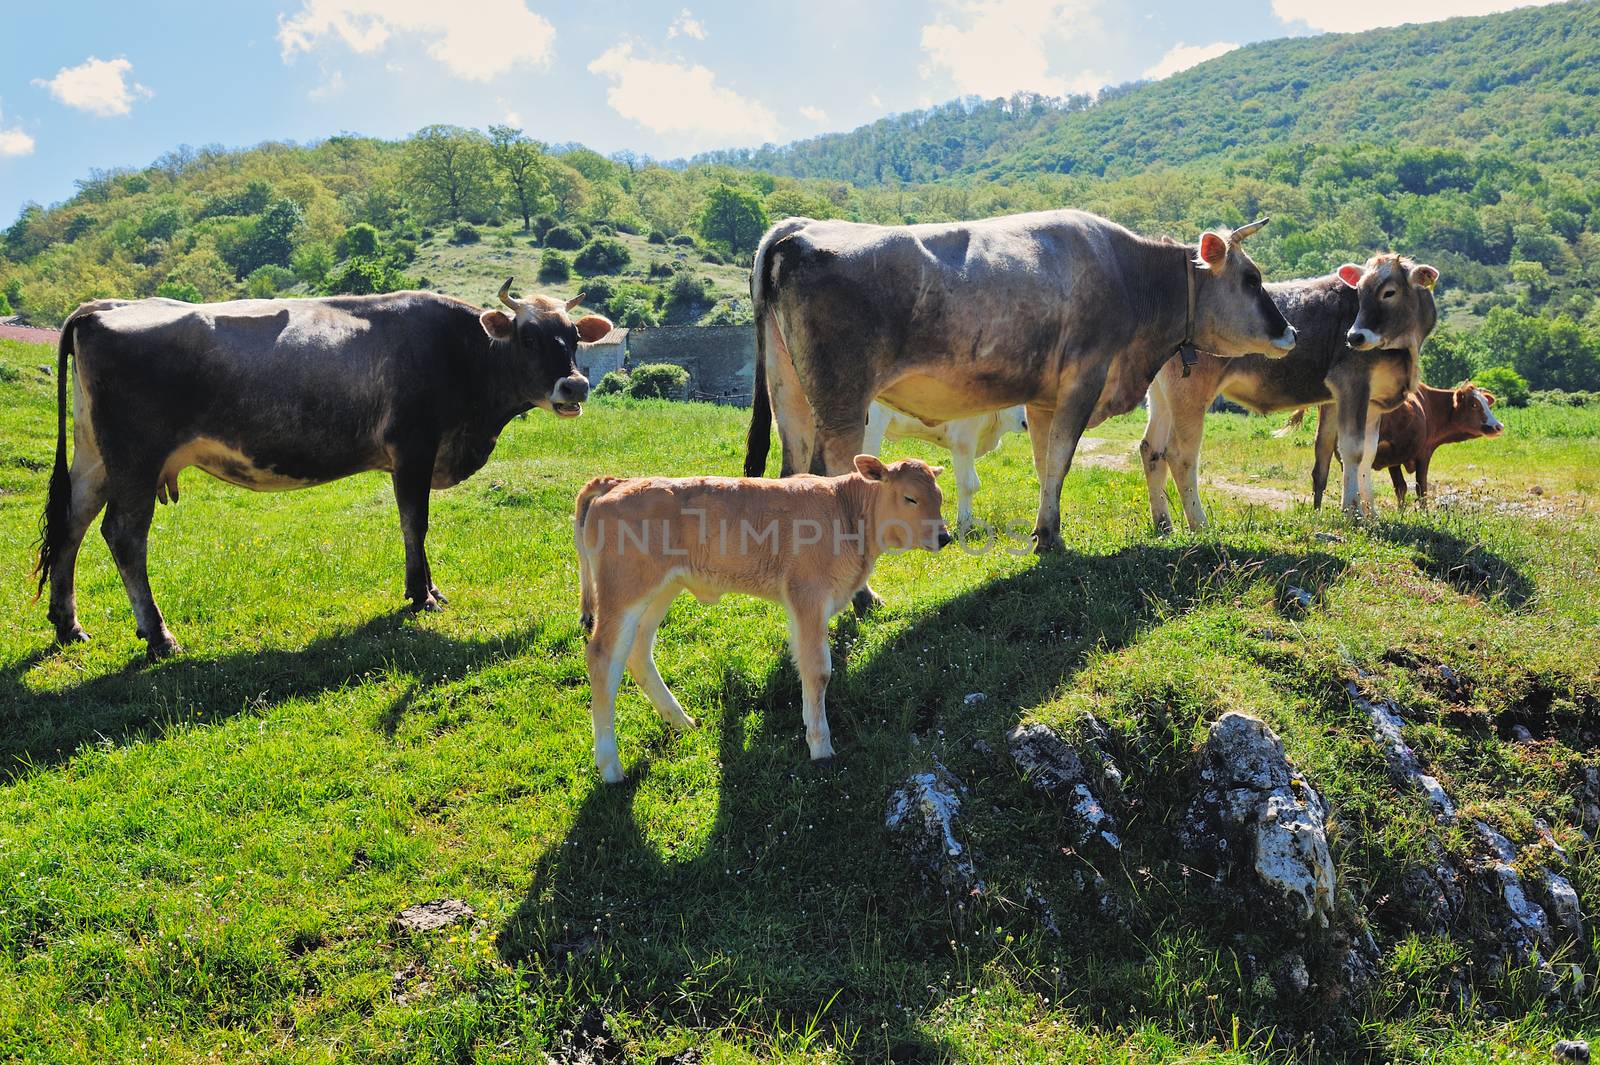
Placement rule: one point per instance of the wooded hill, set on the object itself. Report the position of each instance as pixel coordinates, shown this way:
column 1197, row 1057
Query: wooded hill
column 1473, row 144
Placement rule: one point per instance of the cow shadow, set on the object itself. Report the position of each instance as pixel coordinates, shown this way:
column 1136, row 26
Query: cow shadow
column 39, row 729
column 1466, row 565
column 794, row 909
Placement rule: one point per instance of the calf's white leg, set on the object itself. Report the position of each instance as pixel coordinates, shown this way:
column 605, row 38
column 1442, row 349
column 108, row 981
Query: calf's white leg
column 606, row 653
column 964, row 458
column 642, row 663
column 808, row 641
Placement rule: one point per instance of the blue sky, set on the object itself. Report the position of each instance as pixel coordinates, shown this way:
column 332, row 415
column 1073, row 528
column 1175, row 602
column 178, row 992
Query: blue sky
column 104, row 84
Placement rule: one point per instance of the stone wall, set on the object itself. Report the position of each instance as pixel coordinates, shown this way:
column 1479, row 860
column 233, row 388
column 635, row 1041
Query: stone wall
column 721, row 359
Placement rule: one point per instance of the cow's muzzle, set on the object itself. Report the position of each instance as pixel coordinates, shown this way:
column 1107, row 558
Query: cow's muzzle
column 944, row 539
column 1361, row 339
column 567, row 397
column 1286, row 341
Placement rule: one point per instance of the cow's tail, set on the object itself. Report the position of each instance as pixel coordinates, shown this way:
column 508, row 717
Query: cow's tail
column 58, row 500
column 1292, row 424
column 591, row 491
column 759, row 440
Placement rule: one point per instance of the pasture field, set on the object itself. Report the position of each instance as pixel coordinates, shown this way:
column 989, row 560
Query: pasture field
column 202, row 859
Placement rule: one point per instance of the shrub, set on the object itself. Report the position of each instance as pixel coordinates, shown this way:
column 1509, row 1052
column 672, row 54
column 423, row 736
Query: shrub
column 660, row 269
column 603, row 255
column 683, row 240
column 359, row 239
column 1556, row 397
column 5, row 306
column 687, row 288
column 553, row 266
column 311, row 262
column 1508, row 386
column 267, row 281
column 597, row 291
column 567, row 238
column 179, row 290
column 543, row 224
column 404, row 250
column 465, row 233
column 656, row 237
column 605, row 229
column 633, row 312
column 363, row 275
column 614, row 383
column 626, row 226
column 658, row 380
column 713, row 257
column 504, row 240
column 728, row 312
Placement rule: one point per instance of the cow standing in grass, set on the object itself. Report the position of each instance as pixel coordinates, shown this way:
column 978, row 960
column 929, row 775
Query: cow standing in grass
column 286, row 393
column 1410, row 434
column 1361, row 336
column 1063, row 311
column 807, row 542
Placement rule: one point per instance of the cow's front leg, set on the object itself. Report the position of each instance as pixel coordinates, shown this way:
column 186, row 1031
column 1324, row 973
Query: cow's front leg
column 412, row 481
column 1072, row 412
column 808, row 641
column 1354, row 454
column 1397, row 474
column 1422, row 480
column 1327, row 439
column 126, row 529
column 965, row 459
column 1153, row 457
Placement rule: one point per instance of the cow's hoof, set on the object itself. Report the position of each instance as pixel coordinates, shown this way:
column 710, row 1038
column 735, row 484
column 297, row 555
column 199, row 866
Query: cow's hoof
column 159, row 649
column 865, row 602
column 612, row 774
column 827, row 763
column 428, row 605
column 1046, row 542
column 75, row 634
column 438, row 595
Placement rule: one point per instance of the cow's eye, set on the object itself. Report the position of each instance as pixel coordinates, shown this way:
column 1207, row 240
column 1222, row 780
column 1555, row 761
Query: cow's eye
column 1253, row 281
column 913, row 502
column 1388, row 294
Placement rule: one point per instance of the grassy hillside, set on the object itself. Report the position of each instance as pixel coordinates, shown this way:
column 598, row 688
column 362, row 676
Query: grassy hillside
column 202, row 859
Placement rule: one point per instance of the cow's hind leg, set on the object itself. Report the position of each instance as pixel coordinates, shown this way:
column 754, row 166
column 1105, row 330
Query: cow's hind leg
column 87, row 500
column 642, row 663
column 126, row 528
column 1397, row 474
column 1074, row 407
column 1153, row 456
column 606, row 654
column 1327, row 437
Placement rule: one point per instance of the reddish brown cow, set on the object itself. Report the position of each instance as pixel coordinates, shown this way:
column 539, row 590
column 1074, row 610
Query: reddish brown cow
column 1410, row 434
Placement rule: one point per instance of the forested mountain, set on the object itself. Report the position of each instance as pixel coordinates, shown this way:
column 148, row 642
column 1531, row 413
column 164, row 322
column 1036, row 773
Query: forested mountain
column 1473, row 144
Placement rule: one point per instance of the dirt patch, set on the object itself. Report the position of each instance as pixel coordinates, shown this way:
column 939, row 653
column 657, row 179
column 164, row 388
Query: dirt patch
column 28, row 334
column 1118, row 455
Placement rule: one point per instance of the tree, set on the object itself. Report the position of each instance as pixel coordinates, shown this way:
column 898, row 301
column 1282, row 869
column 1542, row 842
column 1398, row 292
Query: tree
column 1506, row 384
column 449, row 172
column 520, row 162
column 1446, row 359
column 733, row 217
column 271, row 239
column 568, row 188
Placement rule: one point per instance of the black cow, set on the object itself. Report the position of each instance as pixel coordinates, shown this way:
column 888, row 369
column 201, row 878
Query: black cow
column 278, row 394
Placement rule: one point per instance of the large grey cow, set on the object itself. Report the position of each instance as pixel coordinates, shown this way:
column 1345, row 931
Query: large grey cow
column 277, row 394
column 1063, row 311
column 1361, row 336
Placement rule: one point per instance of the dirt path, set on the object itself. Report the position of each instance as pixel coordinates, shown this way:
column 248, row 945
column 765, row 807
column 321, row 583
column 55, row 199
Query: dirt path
column 26, row 333
column 1118, row 455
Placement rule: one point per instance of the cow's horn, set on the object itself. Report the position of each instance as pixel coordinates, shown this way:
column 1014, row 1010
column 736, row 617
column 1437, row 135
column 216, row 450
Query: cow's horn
column 1244, row 231
column 505, row 297
column 576, row 301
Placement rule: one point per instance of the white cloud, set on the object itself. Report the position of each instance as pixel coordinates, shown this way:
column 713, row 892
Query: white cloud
column 13, row 141
column 997, row 47
column 476, row 39
column 98, row 86
column 1351, row 15
column 333, row 86
column 815, row 114
column 677, row 97
column 1183, row 56
column 687, row 25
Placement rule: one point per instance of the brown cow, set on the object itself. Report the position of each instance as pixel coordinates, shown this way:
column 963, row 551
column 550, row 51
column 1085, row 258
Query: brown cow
column 807, row 542
column 1410, row 434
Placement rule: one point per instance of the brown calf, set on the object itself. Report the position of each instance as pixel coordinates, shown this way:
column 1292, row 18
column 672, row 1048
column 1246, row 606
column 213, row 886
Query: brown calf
column 807, row 542
column 1410, row 434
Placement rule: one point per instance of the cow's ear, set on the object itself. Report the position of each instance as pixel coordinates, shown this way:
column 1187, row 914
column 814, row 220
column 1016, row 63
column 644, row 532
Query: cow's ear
column 1350, row 274
column 1424, row 275
column 871, row 467
column 1213, row 250
column 592, row 327
column 498, row 324
column 936, row 470
column 1488, row 396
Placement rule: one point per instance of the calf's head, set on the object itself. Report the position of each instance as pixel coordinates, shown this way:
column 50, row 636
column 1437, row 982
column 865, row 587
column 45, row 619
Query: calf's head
column 539, row 333
column 1396, row 309
column 1470, row 415
column 1233, row 313
column 906, row 509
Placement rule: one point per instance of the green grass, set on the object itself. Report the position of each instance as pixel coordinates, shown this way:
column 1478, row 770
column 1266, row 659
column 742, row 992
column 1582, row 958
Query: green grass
column 200, row 859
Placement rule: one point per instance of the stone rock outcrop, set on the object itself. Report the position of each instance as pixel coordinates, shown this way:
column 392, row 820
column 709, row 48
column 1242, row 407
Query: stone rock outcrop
column 1055, row 767
column 924, row 812
column 1261, row 823
column 1403, row 764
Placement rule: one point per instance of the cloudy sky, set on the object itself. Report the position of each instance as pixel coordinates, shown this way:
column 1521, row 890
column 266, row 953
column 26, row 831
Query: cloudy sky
column 97, row 83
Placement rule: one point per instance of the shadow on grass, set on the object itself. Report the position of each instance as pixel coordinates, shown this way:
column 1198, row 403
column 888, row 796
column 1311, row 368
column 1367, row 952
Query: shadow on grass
column 797, row 913
column 43, row 728
column 1466, row 565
